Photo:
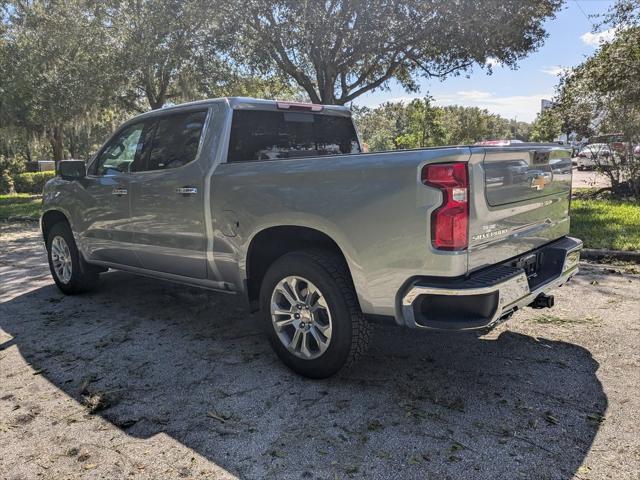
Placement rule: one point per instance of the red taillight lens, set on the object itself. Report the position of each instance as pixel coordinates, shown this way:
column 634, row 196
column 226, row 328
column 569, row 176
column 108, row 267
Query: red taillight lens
column 449, row 223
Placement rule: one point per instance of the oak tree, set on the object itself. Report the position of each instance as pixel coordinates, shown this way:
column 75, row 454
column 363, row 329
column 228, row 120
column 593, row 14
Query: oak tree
column 337, row 50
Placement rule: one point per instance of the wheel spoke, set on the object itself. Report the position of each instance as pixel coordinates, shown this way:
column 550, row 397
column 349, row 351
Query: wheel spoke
column 283, row 322
column 305, row 345
column 294, row 282
column 323, row 329
column 319, row 304
column 295, row 340
column 321, row 340
column 282, row 290
column 277, row 310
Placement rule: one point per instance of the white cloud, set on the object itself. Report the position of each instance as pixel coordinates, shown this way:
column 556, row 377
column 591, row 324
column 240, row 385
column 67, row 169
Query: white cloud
column 522, row 107
column 555, row 70
column 404, row 99
column 595, row 39
column 474, row 95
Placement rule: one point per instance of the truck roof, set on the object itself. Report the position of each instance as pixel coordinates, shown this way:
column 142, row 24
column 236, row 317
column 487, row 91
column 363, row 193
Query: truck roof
column 237, row 103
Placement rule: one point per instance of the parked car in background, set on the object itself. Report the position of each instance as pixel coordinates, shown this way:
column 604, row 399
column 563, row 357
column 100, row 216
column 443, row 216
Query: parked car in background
column 276, row 201
column 594, row 155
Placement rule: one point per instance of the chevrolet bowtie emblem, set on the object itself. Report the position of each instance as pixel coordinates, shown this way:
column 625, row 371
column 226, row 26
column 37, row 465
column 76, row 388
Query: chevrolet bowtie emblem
column 539, row 182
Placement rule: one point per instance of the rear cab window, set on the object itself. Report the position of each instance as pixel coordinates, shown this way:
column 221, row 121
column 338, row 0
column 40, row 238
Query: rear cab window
column 176, row 140
column 258, row 135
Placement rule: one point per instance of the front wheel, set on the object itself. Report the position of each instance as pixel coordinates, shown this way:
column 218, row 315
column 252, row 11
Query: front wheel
column 311, row 315
column 68, row 269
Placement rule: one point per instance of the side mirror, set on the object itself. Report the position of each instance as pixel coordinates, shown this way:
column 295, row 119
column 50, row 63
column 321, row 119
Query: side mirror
column 71, row 169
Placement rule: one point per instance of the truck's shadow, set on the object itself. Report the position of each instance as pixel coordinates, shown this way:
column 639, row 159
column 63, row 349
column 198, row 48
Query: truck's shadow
column 177, row 360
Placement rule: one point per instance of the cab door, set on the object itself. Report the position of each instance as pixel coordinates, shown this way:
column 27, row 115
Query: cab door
column 106, row 211
column 167, row 201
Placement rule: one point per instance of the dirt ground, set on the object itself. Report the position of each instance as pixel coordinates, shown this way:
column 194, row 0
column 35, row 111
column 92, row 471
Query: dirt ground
column 589, row 179
column 145, row 379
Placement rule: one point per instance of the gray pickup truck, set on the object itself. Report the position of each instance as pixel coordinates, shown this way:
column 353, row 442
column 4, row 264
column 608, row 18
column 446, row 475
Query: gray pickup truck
column 277, row 202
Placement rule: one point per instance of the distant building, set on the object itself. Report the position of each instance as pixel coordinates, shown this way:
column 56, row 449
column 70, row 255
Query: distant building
column 544, row 104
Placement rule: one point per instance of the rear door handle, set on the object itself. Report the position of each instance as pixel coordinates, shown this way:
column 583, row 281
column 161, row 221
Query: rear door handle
column 186, row 190
column 120, row 191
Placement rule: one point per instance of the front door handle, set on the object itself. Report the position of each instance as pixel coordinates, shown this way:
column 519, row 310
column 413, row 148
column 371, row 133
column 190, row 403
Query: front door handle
column 119, row 191
column 186, row 190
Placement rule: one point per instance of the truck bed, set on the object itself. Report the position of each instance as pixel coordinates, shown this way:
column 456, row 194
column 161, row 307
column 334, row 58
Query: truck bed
column 377, row 210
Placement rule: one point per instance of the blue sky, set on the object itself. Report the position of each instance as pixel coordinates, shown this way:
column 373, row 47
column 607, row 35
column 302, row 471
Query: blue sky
column 516, row 93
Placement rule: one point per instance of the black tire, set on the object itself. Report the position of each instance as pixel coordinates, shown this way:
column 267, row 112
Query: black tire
column 350, row 331
column 84, row 277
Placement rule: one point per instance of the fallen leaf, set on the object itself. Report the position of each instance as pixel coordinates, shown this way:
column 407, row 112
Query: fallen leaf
column 374, row 425
column 583, row 470
column 595, row 418
column 551, row 419
column 457, row 446
column 215, row 416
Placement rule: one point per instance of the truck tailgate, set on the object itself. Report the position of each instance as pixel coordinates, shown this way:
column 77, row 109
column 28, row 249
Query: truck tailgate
column 519, row 200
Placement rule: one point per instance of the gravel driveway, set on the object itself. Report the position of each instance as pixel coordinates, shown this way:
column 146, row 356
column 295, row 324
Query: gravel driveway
column 145, row 379
column 589, row 179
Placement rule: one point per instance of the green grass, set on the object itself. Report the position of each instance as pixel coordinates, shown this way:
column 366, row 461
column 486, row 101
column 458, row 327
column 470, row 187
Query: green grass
column 610, row 224
column 20, row 205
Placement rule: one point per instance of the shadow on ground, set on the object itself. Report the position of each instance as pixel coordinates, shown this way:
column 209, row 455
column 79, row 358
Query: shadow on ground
column 154, row 357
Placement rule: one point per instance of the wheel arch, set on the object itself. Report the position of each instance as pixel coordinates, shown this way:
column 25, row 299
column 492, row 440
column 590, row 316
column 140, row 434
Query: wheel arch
column 273, row 242
column 49, row 219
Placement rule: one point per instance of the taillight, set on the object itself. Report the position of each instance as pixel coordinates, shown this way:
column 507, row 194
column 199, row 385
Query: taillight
column 450, row 221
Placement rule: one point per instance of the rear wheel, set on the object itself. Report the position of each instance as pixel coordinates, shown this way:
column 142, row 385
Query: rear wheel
column 311, row 315
column 68, row 269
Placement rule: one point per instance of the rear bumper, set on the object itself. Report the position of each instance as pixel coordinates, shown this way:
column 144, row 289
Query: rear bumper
column 483, row 298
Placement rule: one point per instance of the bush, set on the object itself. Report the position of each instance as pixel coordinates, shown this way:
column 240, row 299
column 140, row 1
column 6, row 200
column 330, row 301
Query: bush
column 6, row 183
column 32, row 182
column 13, row 165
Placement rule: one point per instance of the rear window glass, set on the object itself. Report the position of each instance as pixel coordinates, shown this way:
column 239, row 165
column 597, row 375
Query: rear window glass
column 264, row 135
column 176, row 140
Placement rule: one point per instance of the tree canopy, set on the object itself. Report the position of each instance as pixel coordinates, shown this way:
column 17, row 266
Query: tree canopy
column 73, row 69
column 338, row 50
column 603, row 93
column 419, row 123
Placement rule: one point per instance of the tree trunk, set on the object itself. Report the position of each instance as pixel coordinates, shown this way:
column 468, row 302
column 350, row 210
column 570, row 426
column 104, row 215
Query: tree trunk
column 155, row 102
column 73, row 151
column 57, row 143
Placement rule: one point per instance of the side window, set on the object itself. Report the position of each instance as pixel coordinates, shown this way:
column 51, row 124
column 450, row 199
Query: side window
column 122, row 151
column 176, row 140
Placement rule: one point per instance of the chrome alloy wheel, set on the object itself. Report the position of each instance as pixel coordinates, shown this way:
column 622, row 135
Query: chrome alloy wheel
column 61, row 259
column 301, row 317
